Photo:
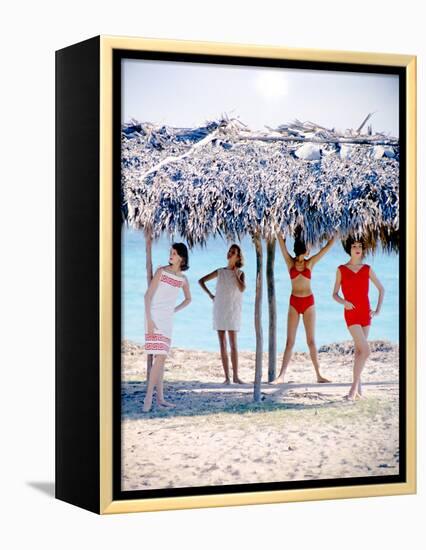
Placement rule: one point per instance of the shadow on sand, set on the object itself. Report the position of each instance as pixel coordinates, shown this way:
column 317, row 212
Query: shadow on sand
column 193, row 398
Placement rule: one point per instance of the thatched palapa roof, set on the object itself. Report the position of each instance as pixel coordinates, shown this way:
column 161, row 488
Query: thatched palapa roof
column 224, row 179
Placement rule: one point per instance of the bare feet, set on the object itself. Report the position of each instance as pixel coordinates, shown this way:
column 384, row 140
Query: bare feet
column 322, row 380
column 354, row 396
column 237, row 380
column 349, row 397
column 278, row 380
column 166, row 404
column 227, row 381
column 147, row 406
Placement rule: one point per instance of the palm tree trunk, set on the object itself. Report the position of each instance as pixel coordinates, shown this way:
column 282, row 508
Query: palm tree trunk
column 272, row 305
column 258, row 319
column 148, row 265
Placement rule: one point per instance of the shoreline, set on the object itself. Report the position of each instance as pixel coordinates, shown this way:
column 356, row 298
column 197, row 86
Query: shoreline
column 343, row 346
column 339, row 353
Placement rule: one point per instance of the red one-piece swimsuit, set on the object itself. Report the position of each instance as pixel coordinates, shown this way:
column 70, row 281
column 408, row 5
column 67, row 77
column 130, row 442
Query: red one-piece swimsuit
column 355, row 290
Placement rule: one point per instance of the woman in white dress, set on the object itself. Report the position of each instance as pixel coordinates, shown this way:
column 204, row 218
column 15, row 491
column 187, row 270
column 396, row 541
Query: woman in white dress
column 160, row 302
column 227, row 307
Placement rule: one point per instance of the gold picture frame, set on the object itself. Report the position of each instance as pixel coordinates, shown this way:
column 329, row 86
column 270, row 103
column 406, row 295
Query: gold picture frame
column 105, row 504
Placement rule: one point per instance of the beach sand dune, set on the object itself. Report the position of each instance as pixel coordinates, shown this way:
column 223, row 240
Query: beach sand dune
column 300, row 430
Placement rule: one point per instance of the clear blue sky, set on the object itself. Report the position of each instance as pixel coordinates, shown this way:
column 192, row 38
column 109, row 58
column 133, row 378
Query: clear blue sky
column 189, row 94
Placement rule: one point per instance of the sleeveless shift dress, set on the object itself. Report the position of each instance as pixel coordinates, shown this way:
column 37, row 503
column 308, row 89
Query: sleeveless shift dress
column 162, row 311
column 227, row 303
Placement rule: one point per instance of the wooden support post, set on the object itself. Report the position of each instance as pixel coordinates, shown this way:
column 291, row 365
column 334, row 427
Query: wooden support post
column 258, row 319
column 149, row 275
column 272, row 308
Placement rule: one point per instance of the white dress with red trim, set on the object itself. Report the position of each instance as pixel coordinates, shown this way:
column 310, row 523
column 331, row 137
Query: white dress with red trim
column 227, row 301
column 162, row 311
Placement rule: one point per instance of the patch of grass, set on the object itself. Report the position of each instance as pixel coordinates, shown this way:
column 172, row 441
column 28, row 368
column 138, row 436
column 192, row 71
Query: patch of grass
column 244, row 416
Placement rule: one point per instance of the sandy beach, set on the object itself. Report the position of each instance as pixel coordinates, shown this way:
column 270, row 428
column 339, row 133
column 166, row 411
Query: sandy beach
column 301, row 430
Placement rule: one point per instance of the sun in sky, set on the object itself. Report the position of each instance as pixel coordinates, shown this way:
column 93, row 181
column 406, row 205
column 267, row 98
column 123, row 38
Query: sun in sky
column 271, row 84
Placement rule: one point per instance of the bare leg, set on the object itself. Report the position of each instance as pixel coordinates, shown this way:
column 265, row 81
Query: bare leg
column 154, row 377
column 359, row 394
column 224, row 355
column 309, row 322
column 234, row 356
column 292, row 324
column 160, row 390
column 362, row 352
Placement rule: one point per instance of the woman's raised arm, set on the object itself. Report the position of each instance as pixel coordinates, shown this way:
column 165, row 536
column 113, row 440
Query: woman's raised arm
column 287, row 258
column 317, row 257
column 153, row 285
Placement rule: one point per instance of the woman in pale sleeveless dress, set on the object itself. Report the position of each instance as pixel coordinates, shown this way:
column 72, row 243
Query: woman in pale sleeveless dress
column 227, row 307
column 160, row 302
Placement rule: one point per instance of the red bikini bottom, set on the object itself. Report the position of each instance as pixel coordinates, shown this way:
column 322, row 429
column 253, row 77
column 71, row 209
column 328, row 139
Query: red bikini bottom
column 301, row 303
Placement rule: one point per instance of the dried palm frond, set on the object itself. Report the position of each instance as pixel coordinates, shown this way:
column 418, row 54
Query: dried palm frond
column 222, row 179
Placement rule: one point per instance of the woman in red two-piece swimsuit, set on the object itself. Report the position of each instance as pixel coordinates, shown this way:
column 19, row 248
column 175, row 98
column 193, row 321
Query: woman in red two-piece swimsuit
column 354, row 278
column 301, row 302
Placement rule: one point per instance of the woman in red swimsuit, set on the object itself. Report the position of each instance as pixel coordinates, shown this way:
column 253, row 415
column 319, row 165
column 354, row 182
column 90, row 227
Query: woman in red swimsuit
column 354, row 278
column 301, row 302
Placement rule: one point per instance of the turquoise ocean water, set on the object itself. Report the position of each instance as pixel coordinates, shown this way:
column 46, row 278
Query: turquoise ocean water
column 193, row 326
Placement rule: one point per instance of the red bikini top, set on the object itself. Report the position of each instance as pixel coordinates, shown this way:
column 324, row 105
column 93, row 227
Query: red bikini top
column 305, row 273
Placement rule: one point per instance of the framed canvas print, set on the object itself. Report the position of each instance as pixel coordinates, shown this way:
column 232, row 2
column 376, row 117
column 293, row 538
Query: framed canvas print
column 235, row 288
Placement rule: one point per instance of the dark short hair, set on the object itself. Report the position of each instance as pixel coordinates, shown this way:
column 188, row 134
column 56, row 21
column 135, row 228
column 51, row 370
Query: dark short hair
column 299, row 246
column 182, row 252
column 347, row 244
column 240, row 261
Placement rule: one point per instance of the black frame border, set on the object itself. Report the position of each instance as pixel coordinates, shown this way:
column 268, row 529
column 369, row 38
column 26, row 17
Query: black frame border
column 401, row 72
